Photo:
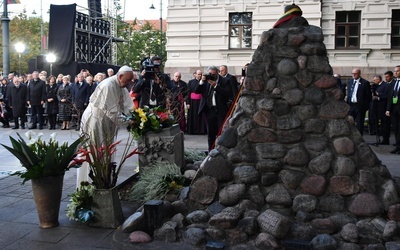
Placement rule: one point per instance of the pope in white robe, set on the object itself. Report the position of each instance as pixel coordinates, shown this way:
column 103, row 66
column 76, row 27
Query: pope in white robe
column 100, row 120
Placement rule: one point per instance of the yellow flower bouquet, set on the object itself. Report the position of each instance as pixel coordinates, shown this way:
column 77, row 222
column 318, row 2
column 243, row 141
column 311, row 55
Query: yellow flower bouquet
column 145, row 119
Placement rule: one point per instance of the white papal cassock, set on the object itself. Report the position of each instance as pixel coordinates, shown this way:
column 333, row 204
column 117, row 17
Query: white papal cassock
column 100, row 120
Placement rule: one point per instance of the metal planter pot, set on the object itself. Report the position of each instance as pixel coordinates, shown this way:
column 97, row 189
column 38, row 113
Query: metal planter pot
column 107, row 209
column 47, row 193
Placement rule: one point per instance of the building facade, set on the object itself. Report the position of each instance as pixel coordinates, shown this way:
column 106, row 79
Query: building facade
column 358, row 33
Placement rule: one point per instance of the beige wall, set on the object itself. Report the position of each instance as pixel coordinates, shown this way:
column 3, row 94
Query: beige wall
column 197, row 34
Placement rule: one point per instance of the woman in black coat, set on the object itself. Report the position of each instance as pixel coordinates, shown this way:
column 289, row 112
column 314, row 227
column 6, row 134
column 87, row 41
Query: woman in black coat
column 64, row 95
column 52, row 101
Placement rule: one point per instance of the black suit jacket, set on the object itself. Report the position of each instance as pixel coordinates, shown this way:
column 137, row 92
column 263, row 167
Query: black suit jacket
column 81, row 94
column 382, row 91
column 36, row 92
column 364, row 94
column 234, row 85
column 390, row 105
column 223, row 93
column 143, row 87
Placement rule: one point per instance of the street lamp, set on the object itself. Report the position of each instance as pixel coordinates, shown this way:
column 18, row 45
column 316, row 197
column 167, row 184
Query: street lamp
column 161, row 24
column 41, row 26
column 51, row 58
column 20, row 48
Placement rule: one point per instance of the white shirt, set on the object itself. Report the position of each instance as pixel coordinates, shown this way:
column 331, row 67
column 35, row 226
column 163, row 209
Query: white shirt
column 354, row 95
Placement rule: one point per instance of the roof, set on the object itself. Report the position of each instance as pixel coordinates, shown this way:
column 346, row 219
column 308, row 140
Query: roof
column 155, row 23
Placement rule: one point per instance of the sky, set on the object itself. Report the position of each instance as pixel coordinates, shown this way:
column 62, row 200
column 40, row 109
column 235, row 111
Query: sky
column 133, row 8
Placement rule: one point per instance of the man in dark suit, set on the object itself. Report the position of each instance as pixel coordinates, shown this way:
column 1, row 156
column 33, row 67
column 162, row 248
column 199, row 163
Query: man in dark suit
column 393, row 109
column 17, row 99
column 80, row 98
column 152, row 86
column 4, row 87
column 216, row 92
column 389, row 78
column 223, row 71
column 177, row 99
column 36, row 99
column 379, row 121
column 358, row 97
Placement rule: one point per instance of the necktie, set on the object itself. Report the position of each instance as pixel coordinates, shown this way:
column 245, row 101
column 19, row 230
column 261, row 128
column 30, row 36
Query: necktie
column 152, row 95
column 210, row 97
column 396, row 89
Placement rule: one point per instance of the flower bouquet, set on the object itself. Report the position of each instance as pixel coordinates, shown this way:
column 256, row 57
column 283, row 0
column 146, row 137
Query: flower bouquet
column 145, row 119
column 104, row 170
column 81, row 202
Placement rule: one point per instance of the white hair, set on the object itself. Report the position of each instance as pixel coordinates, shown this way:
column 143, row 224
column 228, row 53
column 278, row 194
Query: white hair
column 125, row 69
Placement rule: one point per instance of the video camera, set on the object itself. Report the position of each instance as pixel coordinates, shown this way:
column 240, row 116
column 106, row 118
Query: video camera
column 150, row 67
column 211, row 77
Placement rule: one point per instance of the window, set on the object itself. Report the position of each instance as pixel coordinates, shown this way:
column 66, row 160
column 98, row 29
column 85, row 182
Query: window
column 395, row 29
column 240, row 26
column 347, row 30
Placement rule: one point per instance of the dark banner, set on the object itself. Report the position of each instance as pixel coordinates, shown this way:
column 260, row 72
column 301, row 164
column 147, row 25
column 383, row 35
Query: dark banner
column 61, row 33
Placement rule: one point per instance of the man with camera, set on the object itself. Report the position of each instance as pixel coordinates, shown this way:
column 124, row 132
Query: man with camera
column 152, row 83
column 215, row 91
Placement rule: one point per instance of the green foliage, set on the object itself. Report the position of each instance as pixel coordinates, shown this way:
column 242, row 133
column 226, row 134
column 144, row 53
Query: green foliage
column 103, row 170
column 193, row 155
column 156, row 181
column 81, row 202
column 143, row 41
column 26, row 30
column 41, row 158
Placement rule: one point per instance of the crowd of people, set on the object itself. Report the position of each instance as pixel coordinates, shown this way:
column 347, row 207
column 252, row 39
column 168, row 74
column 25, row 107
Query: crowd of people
column 46, row 100
column 199, row 106
column 380, row 99
column 189, row 101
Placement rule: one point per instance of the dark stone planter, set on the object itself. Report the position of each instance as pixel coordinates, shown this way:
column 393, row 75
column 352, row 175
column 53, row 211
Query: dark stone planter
column 47, row 193
column 165, row 146
column 107, row 209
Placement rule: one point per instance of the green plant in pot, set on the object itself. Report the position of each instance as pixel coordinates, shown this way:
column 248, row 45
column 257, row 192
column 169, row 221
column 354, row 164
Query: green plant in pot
column 45, row 164
column 104, row 209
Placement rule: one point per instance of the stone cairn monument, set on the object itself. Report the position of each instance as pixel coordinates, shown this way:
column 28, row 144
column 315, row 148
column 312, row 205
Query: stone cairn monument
column 290, row 167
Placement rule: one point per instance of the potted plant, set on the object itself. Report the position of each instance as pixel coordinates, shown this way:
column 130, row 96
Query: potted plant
column 103, row 171
column 45, row 164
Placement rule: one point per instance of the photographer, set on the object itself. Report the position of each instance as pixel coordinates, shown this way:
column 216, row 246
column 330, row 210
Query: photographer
column 215, row 91
column 152, row 84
